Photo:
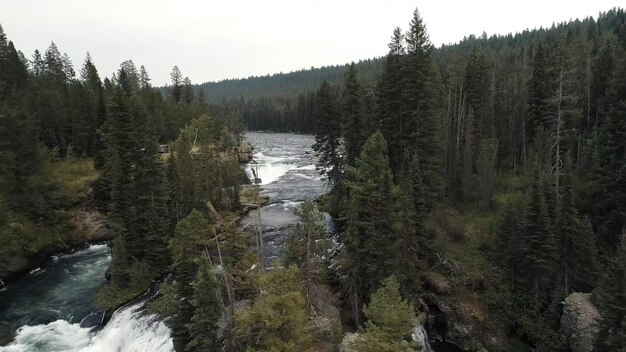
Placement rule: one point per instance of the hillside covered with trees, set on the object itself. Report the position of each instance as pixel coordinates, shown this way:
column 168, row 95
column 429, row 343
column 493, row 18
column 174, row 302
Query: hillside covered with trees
column 475, row 188
column 488, row 176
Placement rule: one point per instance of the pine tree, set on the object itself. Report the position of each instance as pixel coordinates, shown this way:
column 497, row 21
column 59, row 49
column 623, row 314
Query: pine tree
column 577, row 252
column 540, row 90
column 176, row 88
column 208, row 310
column 413, row 244
column 540, row 250
column 278, row 318
column 611, row 300
column 308, row 244
column 609, row 162
column 369, row 247
column 408, row 106
column 193, row 234
column 391, row 320
column 328, row 136
column 355, row 128
column 390, row 105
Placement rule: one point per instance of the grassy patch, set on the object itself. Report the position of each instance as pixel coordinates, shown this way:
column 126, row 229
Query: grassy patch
column 73, row 177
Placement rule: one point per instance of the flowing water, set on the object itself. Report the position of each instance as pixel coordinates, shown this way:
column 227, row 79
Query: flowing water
column 52, row 309
column 285, row 163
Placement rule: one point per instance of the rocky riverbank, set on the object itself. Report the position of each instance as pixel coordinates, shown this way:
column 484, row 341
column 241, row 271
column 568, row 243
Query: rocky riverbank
column 88, row 226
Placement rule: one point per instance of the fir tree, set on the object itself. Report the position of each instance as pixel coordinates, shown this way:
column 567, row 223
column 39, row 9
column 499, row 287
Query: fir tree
column 355, row 129
column 370, row 242
column 328, row 136
column 611, row 299
column 391, row 320
column 577, row 251
column 540, row 248
column 203, row 328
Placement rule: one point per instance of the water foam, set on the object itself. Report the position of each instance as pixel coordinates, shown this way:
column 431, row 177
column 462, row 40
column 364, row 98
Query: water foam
column 269, row 173
column 419, row 334
column 130, row 330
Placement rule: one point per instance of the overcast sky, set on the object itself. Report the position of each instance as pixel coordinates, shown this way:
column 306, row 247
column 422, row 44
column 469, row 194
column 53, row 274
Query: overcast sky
column 217, row 39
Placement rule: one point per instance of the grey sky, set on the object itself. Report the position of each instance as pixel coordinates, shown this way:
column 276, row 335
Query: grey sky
column 213, row 40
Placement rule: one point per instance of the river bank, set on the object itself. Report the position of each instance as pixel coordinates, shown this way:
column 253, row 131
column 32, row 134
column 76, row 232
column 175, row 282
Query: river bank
column 89, row 227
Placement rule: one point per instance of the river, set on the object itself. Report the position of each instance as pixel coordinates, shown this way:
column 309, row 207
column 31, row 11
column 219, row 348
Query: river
column 52, row 308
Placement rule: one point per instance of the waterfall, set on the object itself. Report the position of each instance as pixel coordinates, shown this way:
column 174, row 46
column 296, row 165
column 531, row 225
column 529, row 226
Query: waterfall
column 419, row 334
column 129, row 330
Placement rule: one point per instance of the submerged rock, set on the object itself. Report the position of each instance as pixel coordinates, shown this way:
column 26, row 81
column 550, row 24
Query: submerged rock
column 579, row 323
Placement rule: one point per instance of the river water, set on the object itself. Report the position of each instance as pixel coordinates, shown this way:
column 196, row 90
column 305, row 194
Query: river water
column 286, row 166
column 52, row 309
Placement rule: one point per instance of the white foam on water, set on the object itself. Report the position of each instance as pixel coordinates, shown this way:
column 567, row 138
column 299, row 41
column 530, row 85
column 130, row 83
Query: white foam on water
column 307, row 167
column 262, row 158
column 269, row 173
column 129, row 330
column 291, row 204
column 419, row 334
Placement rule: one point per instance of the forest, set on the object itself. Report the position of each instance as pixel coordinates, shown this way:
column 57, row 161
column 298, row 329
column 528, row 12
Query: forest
column 477, row 188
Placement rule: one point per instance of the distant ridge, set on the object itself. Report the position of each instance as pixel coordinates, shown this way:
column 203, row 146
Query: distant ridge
column 285, row 84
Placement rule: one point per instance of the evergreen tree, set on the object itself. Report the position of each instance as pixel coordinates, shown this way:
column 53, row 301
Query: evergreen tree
column 391, row 319
column 369, row 246
column 307, row 245
column 278, row 318
column 193, row 234
column 611, row 299
column 203, row 328
column 540, row 250
column 176, row 88
column 328, row 136
column 540, row 90
column 355, row 128
column 390, row 104
column 577, row 252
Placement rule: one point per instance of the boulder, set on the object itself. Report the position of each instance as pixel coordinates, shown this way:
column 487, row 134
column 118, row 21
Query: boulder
column 579, row 323
column 93, row 226
column 244, row 152
column 349, row 340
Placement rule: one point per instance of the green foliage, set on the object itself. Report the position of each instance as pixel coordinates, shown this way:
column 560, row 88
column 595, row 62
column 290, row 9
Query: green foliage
column 391, row 319
column 129, row 279
column 193, row 235
column 207, row 305
column 388, row 313
column 327, row 145
column 277, row 320
column 369, row 251
column 308, row 244
column 356, row 128
column 611, row 300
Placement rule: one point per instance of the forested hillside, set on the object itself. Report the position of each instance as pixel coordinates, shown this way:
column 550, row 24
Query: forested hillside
column 488, row 176
column 477, row 190
column 282, row 85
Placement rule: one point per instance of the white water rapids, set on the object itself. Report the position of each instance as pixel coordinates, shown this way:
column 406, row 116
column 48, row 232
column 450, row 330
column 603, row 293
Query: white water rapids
column 46, row 307
column 419, row 334
column 129, row 330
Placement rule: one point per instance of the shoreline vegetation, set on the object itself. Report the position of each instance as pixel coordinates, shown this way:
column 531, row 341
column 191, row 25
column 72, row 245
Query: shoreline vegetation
column 475, row 187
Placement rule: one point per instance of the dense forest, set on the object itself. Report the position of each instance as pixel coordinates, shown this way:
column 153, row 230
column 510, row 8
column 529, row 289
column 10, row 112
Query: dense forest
column 480, row 185
column 499, row 161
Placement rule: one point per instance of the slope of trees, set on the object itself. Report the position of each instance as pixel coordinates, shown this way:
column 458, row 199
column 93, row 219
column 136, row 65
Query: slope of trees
column 543, row 108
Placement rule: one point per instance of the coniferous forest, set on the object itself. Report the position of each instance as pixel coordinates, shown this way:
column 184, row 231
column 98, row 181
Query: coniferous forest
column 477, row 189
